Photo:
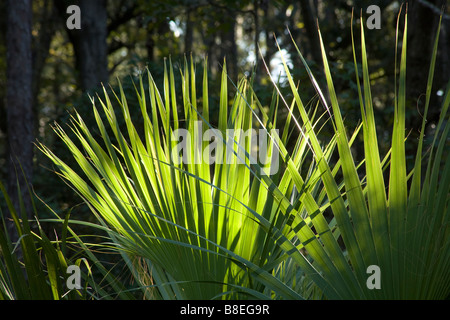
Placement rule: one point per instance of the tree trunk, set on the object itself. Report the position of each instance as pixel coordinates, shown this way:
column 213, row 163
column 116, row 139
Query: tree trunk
column 422, row 25
column 271, row 47
column 48, row 20
column 189, row 32
column 209, row 40
column 150, row 41
column 19, row 109
column 89, row 43
column 310, row 18
column 229, row 47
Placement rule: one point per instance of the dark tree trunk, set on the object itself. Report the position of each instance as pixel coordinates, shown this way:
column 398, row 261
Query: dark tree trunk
column 19, row 98
column 229, row 47
column 189, row 32
column 422, row 25
column 150, row 42
column 271, row 47
column 3, row 22
column 47, row 24
column 209, row 39
column 309, row 18
column 90, row 45
column 256, row 7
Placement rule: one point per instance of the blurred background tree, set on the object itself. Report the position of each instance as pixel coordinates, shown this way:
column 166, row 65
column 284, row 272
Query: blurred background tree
column 18, row 98
column 119, row 38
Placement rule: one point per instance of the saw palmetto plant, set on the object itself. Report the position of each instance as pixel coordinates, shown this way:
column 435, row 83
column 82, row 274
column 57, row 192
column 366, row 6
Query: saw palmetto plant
column 35, row 267
column 290, row 225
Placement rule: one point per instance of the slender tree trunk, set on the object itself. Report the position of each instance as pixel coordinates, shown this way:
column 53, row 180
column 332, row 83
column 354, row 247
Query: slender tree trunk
column 271, row 47
column 47, row 24
column 150, row 41
column 19, row 98
column 209, row 39
column 189, row 32
column 3, row 22
column 229, row 47
column 309, row 18
column 423, row 21
column 257, row 29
